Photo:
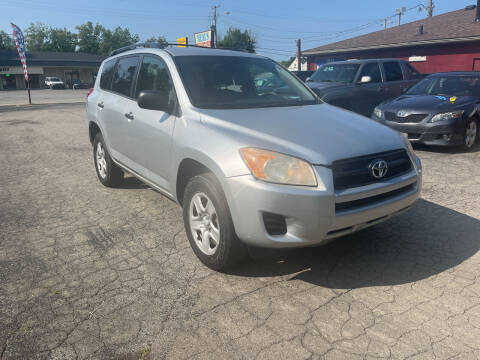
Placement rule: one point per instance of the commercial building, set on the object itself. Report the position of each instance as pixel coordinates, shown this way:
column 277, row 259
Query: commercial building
column 67, row 66
column 446, row 42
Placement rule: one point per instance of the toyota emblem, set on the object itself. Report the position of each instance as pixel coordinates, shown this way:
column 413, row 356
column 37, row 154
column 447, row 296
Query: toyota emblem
column 378, row 168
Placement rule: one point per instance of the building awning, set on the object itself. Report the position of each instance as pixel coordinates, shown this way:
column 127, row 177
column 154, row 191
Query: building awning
column 18, row 70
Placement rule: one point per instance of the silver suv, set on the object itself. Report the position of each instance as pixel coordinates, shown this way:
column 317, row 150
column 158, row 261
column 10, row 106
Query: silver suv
column 250, row 153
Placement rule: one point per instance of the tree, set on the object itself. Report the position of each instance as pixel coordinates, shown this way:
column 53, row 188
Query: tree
column 160, row 40
column 37, row 37
column 61, row 40
column 287, row 63
column 6, row 42
column 89, row 37
column 238, row 39
column 115, row 39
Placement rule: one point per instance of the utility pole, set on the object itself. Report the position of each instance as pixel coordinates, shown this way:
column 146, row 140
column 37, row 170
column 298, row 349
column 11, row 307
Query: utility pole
column 299, row 55
column 430, row 8
column 385, row 23
column 399, row 14
column 214, row 27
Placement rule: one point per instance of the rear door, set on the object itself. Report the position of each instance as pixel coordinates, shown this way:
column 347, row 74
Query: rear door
column 150, row 131
column 394, row 79
column 114, row 118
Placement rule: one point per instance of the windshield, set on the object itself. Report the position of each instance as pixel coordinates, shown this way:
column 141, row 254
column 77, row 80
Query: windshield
column 235, row 82
column 55, row 79
column 344, row 73
column 447, row 85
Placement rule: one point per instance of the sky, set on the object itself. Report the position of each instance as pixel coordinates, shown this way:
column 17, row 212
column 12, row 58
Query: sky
column 276, row 24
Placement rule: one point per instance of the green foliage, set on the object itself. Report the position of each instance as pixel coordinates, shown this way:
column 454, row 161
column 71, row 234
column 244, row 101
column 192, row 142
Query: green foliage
column 287, row 63
column 36, row 37
column 238, row 39
column 115, row 39
column 89, row 37
column 61, row 40
column 6, row 42
column 160, row 40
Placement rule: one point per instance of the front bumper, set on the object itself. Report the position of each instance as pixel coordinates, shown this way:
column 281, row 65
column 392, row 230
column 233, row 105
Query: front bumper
column 313, row 215
column 443, row 133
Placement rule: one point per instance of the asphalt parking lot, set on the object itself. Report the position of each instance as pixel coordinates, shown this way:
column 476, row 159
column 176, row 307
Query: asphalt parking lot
column 89, row 272
column 42, row 96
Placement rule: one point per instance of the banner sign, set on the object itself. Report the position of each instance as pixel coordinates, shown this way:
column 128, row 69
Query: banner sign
column 18, row 36
column 182, row 42
column 204, row 38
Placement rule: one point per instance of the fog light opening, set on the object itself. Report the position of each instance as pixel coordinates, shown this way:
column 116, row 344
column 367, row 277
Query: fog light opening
column 447, row 137
column 274, row 224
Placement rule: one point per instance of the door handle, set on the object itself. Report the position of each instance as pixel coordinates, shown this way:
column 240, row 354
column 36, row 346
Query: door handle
column 129, row 116
column 100, row 105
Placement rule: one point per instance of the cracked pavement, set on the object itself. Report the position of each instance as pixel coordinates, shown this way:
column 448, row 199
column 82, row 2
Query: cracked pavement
column 88, row 272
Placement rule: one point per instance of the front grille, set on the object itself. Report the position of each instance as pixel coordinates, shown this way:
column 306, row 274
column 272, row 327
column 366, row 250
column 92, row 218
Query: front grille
column 274, row 224
column 412, row 118
column 350, row 205
column 354, row 172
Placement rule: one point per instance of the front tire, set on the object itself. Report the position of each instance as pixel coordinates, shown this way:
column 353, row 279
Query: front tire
column 209, row 225
column 108, row 172
column 471, row 134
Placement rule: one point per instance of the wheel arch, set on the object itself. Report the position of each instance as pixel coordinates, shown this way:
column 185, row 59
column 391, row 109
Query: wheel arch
column 93, row 130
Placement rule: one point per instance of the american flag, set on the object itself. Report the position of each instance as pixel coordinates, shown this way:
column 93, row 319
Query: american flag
column 18, row 36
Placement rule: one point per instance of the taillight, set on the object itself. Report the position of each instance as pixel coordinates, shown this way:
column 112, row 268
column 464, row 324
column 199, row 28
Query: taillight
column 89, row 92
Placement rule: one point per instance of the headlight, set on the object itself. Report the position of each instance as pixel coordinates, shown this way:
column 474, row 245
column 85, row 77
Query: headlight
column 278, row 168
column 447, row 116
column 378, row 113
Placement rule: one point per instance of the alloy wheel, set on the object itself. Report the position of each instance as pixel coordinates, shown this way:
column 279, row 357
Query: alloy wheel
column 204, row 223
column 471, row 134
column 101, row 161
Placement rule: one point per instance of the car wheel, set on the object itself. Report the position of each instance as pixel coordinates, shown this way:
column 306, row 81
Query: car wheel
column 471, row 134
column 108, row 172
column 209, row 224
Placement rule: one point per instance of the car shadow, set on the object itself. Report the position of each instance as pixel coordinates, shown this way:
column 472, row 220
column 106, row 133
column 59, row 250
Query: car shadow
column 131, row 182
column 425, row 241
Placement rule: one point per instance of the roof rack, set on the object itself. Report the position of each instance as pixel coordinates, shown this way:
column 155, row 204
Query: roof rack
column 162, row 46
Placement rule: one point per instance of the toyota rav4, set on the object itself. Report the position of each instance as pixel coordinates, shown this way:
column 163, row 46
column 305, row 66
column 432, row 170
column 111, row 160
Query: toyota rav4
column 265, row 166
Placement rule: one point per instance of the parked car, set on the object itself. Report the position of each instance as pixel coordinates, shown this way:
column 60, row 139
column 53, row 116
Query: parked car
column 78, row 84
column 442, row 109
column 249, row 166
column 54, row 83
column 304, row 74
column 360, row 85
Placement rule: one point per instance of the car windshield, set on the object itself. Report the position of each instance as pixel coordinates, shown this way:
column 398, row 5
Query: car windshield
column 344, row 73
column 235, row 82
column 447, row 85
column 54, row 79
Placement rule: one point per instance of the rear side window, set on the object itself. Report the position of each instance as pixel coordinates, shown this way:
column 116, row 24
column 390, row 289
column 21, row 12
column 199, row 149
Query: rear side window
column 124, row 75
column 153, row 75
column 107, row 74
column 411, row 70
column 393, row 71
column 372, row 70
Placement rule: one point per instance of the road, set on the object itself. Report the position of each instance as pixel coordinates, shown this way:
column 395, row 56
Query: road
column 89, row 272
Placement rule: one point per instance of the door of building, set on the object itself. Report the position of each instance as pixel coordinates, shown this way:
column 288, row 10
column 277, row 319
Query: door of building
column 70, row 76
column 476, row 65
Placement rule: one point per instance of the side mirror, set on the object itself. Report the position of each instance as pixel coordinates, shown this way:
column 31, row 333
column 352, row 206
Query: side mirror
column 365, row 79
column 307, row 79
column 154, row 100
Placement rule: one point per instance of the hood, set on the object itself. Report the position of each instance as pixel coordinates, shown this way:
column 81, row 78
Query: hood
column 427, row 103
column 319, row 133
column 324, row 85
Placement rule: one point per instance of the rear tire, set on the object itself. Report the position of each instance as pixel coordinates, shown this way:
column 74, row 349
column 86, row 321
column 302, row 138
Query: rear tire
column 109, row 173
column 209, row 224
